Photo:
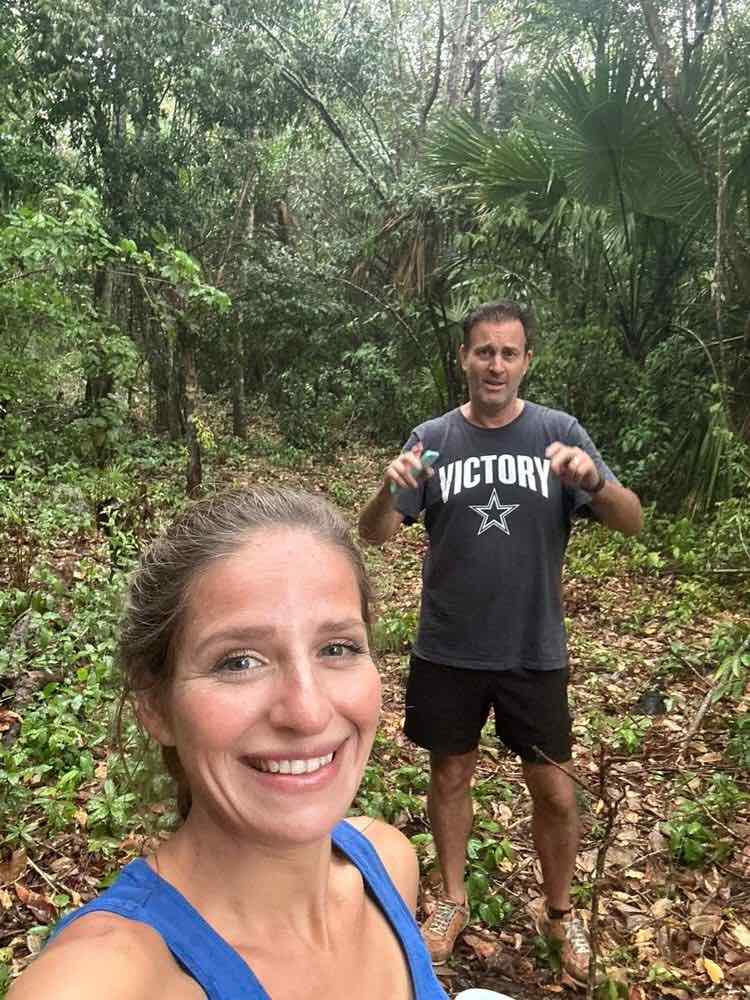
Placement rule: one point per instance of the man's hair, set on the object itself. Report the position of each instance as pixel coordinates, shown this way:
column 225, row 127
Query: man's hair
column 499, row 312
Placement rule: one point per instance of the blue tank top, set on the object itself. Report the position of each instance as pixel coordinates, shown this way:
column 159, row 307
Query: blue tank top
column 140, row 894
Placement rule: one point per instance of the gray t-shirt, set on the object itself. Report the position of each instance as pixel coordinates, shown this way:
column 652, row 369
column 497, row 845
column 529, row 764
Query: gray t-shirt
column 498, row 523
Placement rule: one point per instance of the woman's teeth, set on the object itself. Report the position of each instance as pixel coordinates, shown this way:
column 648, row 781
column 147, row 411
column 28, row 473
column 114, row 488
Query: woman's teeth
column 293, row 766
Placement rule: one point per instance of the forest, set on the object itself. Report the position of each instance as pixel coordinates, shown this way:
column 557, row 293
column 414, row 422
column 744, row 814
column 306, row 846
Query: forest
column 237, row 244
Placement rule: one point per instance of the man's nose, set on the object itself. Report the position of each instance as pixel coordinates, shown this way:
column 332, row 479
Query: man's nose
column 302, row 703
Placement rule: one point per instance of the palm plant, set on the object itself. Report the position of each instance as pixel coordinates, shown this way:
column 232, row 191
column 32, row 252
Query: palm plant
column 620, row 206
column 599, row 177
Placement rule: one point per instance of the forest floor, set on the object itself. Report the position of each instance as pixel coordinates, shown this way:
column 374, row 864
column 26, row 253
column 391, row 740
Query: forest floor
column 674, row 895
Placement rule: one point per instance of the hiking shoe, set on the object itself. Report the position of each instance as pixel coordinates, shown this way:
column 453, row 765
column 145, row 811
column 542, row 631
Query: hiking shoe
column 442, row 927
column 571, row 933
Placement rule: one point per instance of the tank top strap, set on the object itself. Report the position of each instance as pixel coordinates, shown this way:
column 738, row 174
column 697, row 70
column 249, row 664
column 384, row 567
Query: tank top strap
column 358, row 849
column 140, row 894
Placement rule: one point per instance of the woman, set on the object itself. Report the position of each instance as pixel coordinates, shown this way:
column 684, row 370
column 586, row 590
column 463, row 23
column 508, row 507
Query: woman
column 245, row 649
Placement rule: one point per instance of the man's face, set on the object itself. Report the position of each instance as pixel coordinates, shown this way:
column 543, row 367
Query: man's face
column 494, row 363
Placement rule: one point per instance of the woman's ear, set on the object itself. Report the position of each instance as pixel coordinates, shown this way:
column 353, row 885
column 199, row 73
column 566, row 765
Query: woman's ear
column 153, row 717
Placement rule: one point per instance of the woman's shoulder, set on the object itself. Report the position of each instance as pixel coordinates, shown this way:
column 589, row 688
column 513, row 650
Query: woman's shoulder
column 130, row 957
column 396, row 852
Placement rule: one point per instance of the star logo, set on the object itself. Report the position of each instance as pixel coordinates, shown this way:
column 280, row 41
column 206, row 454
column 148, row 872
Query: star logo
column 499, row 519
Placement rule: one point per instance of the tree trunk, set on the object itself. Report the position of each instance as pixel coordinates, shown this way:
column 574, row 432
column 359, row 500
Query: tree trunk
column 238, row 382
column 101, row 384
column 459, row 31
column 189, row 385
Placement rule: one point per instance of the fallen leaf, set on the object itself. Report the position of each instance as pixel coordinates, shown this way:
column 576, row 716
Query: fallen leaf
column 706, row 925
column 42, row 908
column 6, row 900
column 34, row 943
column 740, row 973
column 101, row 770
column 675, row 991
column 7, row 718
column 661, row 907
column 636, row 993
column 742, row 934
column 13, row 869
column 713, row 971
column 82, row 818
column 481, row 947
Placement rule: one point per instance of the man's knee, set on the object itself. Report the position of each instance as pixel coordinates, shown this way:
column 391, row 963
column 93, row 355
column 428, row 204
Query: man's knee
column 451, row 774
column 552, row 792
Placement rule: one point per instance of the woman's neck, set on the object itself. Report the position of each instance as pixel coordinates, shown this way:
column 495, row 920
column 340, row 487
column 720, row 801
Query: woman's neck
column 249, row 890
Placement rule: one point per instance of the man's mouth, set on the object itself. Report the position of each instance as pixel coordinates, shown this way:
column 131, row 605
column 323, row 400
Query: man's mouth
column 293, row 765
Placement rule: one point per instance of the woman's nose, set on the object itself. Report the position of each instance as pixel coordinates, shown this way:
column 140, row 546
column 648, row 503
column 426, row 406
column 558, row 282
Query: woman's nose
column 301, row 704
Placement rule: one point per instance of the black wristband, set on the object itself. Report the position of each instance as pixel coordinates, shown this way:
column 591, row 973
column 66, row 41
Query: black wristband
column 599, row 486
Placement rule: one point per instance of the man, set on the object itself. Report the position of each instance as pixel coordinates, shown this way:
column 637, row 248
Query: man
column 498, row 507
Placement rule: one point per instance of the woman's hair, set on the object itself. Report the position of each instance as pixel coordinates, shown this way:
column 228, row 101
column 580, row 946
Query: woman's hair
column 160, row 586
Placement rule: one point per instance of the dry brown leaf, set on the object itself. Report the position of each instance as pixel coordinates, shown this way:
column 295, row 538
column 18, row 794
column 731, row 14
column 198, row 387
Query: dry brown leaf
column 7, row 718
column 661, row 907
column 481, row 947
column 739, row 973
column 742, row 934
column 657, row 841
column 636, row 993
column 42, row 908
column 706, row 925
column 6, row 900
column 13, row 869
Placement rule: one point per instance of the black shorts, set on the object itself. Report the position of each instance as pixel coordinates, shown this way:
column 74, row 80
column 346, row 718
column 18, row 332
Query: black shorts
column 447, row 707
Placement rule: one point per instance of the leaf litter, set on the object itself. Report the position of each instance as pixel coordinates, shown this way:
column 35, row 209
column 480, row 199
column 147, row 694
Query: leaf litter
column 666, row 929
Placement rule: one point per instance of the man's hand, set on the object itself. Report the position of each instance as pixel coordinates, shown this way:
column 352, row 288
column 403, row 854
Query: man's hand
column 406, row 469
column 573, row 466
column 613, row 505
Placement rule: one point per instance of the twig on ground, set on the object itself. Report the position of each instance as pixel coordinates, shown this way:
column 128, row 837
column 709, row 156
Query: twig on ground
column 57, row 886
column 700, row 715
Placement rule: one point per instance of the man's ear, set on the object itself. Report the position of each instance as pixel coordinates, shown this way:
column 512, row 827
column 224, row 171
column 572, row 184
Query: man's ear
column 529, row 356
column 462, row 356
column 153, row 718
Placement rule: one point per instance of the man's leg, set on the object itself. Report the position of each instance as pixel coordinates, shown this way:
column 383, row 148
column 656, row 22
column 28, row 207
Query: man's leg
column 555, row 829
column 445, row 711
column 451, row 814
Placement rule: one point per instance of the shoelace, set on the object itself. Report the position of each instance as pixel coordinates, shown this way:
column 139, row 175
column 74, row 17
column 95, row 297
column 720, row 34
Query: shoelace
column 576, row 934
column 442, row 916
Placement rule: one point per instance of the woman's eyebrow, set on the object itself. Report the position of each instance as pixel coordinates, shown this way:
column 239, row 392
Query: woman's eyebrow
column 340, row 625
column 236, row 634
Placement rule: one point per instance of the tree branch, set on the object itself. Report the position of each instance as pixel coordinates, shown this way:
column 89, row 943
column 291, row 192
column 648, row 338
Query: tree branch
column 438, row 61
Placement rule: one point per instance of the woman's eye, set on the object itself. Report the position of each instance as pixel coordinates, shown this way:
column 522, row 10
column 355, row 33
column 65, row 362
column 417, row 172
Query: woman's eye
column 242, row 663
column 342, row 649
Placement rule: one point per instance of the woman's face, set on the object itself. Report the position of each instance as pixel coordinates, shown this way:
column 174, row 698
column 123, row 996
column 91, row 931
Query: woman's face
column 275, row 698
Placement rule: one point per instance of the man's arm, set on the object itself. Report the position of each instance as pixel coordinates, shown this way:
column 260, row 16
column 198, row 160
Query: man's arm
column 614, row 505
column 380, row 520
